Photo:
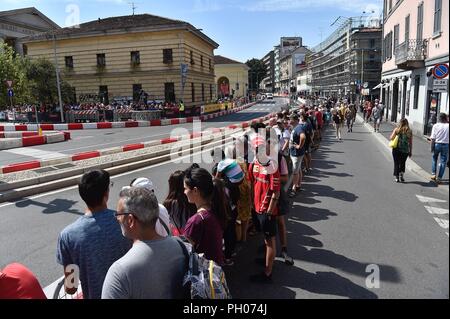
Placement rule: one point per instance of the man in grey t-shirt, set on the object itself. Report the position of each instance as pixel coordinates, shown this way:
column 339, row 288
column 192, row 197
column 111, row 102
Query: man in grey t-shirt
column 155, row 266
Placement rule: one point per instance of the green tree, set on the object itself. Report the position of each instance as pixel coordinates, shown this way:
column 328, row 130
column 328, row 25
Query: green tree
column 256, row 73
column 42, row 74
column 13, row 67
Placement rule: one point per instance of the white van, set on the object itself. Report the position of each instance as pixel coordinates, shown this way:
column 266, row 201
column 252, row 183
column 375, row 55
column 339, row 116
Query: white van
column 269, row 96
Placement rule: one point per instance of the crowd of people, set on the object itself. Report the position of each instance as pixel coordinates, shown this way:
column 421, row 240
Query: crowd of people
column 132, row 253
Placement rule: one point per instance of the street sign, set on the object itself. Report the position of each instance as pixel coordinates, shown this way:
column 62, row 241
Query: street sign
column 440, row 71
column 9, row 83
column 440, row 86
column 366, row 85
column 10, row 92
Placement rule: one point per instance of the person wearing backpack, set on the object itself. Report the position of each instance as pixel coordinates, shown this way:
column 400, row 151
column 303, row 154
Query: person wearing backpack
column 403, row 149
column 154, row 267
column 337, row 123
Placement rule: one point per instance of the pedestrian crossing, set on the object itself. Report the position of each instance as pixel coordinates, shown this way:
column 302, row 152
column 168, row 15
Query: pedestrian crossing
column 438, row 209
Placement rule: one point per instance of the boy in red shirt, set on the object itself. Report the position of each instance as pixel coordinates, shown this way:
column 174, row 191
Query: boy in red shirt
column 264, row 176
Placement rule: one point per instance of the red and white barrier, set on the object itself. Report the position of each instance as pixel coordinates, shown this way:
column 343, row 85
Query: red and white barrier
column 8, row 143
column 127, row 148
column 111, row 125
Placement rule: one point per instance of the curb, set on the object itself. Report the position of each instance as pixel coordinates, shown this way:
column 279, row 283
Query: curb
column 112, row 125
column 17, row 167
column 33, row 140
column 410, row 164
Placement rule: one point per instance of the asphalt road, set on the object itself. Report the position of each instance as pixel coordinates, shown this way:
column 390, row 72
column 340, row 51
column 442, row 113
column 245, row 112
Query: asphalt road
column 91, row 140
column 350, row 220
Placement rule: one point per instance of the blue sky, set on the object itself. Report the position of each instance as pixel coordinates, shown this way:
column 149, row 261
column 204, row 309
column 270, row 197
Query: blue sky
column 244, row 29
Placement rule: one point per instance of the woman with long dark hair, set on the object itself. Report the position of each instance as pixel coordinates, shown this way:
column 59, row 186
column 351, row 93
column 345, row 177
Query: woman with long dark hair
column 403, row 149
column 180, row 210
column 205, row 229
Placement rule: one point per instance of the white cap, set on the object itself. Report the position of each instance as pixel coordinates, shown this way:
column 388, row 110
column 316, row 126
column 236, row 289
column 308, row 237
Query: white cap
column 144, row 183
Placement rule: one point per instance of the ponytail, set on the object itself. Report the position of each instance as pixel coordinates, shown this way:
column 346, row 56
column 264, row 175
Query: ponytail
column 219, row 203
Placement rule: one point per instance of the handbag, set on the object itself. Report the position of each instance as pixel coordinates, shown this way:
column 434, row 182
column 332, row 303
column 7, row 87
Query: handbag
column 394, row 142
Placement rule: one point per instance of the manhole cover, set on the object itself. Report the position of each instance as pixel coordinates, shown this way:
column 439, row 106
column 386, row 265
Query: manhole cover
column 63, row 166
column 45, row 169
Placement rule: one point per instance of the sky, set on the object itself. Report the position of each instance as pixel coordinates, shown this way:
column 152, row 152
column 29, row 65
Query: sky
column 244, row 29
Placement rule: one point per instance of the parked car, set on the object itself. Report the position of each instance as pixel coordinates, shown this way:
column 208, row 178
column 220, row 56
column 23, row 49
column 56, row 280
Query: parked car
column 269, row 96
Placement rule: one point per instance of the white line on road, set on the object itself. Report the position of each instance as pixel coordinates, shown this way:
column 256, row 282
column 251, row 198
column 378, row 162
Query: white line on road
column 436, row 210
column 426, row 200
column 442, row 222
column 33, row 152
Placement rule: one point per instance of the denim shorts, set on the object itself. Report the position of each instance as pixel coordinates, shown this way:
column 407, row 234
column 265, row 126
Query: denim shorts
column 296, row 164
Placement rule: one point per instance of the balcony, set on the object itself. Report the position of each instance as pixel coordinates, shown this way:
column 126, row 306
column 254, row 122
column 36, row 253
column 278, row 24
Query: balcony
column 411, row 55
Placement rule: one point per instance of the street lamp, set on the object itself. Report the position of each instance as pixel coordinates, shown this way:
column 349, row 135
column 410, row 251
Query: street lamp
column 58, row 83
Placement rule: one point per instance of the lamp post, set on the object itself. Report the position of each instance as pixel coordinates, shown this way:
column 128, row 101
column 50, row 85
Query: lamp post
column 58, row 83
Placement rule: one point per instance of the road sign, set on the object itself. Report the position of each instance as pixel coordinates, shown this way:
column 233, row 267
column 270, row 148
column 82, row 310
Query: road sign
column 10, row 92
column 366, row 85
column 9, row 83
column 440, row 71
column 440, row 86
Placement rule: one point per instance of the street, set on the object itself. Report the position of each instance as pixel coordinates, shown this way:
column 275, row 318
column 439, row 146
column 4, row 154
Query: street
column 350, row 219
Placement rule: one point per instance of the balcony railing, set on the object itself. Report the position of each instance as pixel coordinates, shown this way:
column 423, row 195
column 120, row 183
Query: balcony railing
column 411, row 54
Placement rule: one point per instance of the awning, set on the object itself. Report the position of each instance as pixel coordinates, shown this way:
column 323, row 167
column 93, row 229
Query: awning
column 378, row 86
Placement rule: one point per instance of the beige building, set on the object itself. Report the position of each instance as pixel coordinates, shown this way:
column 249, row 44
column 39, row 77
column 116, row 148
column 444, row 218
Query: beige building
column 231, row 77
column 416, row 38
column 114, row 59
column 20, row 23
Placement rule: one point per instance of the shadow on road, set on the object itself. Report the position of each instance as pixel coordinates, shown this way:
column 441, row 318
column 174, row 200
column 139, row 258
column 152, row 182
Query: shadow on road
column 56, row 206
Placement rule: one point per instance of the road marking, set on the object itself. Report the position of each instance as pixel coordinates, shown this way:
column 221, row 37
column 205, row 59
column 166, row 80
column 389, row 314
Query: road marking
column 424, row 199
column 436, row 210
column 36, row 153
column 442, row 222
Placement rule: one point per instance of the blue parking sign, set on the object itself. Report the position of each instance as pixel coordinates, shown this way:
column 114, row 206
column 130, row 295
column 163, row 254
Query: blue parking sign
column 10, row 92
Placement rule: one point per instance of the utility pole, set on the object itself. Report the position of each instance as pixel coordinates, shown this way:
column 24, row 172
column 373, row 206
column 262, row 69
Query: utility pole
column 58, row 83
column 133, row 7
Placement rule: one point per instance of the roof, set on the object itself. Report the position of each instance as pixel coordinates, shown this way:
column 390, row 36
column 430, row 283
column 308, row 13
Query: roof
column 218, row 59
column 30, row 10
column 131, row 23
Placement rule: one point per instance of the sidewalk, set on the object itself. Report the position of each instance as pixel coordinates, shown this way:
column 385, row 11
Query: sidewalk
column 421, row 150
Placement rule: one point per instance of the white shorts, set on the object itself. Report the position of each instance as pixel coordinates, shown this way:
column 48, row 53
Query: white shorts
column 296, row 164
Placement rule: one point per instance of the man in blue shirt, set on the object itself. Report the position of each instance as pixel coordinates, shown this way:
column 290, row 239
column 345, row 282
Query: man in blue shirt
column 93, row 242
column 297, row 152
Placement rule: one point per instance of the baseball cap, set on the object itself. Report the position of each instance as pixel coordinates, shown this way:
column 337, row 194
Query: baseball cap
column 142, row 182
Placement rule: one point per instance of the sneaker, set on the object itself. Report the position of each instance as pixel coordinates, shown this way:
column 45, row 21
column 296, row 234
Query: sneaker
column 433, row 177
column 397, row 180
column 292, row 194
column 261, row 278
column 438, row 181
column 402, row 178
column 287, row 259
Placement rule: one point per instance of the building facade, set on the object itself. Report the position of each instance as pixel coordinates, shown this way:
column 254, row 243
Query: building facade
column 231, row 77
column 276, row 62
column 416, row 38
column 281, row 52
column 20, row 23
column 269, row 62
column 304, row 81
column 117, row 58
column 290, row 65
column 348, row 63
